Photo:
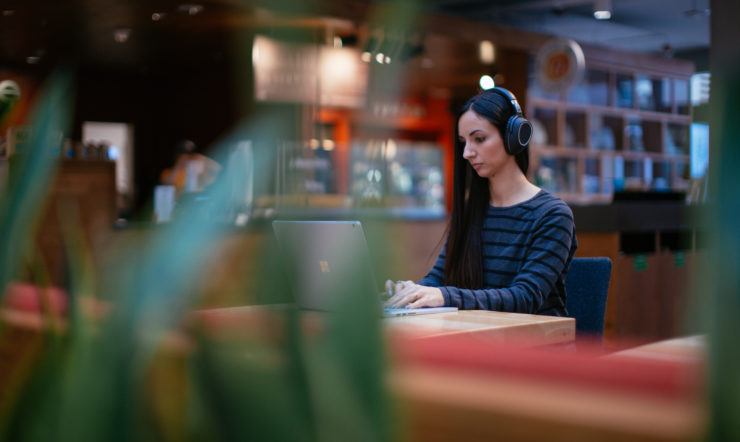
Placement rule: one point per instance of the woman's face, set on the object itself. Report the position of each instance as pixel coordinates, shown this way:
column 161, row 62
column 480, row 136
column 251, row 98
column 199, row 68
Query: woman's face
column 484, row 148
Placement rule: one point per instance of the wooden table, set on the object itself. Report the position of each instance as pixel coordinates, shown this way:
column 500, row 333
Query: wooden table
column 478, row 324
column 685, row 348
column 484, row 324
column 463, row 376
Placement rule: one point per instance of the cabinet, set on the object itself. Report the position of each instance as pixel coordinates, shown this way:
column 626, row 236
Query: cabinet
column 620, row 128
column 84, row 190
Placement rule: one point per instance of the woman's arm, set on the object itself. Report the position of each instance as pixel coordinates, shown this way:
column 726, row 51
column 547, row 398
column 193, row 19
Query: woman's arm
column 436, row 275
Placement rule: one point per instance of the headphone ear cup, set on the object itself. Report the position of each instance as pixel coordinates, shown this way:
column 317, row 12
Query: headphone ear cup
column 518, row 134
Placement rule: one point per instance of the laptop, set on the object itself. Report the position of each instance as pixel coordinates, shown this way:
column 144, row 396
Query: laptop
column 328, row 259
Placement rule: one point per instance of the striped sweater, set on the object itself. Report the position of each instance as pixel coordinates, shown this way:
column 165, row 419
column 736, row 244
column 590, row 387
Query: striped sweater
column 527, row 249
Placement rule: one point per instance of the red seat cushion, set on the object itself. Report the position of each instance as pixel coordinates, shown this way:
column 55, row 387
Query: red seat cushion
column 32, row 298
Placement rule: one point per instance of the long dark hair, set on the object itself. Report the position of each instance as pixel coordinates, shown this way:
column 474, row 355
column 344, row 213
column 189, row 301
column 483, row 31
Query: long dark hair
column 471, row 197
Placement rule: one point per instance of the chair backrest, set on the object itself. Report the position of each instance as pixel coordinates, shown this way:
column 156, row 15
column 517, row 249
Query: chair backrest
column 586, row 289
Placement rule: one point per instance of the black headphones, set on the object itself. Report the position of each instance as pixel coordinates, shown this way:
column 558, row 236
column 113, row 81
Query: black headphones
column 518, row 129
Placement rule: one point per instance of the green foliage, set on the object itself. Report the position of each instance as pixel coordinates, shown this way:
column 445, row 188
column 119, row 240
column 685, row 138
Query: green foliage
column 124, row 377
column 720, row 294
column 147, row 370
column 30, row 174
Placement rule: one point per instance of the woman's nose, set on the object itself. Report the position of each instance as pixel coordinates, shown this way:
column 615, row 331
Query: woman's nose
column 467, row 152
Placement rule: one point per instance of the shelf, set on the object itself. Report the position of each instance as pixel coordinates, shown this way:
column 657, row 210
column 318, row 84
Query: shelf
column 619, row 129
column 540, row 104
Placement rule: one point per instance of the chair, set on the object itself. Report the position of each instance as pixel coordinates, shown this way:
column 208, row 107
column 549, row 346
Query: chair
column 586, row 289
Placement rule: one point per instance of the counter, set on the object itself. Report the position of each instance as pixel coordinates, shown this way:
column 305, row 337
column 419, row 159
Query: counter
column 657, row 247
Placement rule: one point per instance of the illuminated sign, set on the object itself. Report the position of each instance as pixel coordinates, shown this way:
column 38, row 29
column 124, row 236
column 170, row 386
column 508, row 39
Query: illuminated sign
column 310, row 74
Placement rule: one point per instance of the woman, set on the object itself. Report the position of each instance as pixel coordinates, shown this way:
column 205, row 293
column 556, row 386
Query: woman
column 509, row 243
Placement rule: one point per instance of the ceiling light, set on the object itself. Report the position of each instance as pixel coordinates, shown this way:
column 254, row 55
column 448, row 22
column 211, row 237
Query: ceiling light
column 697, row 12
column 190, row 8
column 486, row 82
column 157, row 16
column 121, row 35
column 602, row 9
column 486, row 52
column 36, row 57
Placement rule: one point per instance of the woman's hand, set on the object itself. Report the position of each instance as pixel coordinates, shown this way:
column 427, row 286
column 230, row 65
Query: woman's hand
column 407, row 294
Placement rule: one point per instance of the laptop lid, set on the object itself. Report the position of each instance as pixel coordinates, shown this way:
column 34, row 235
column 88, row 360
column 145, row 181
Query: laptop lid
column 325, row 260
column 328, row 262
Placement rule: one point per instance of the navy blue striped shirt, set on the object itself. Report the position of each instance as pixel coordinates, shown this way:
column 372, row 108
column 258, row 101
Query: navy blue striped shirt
column 527, row 249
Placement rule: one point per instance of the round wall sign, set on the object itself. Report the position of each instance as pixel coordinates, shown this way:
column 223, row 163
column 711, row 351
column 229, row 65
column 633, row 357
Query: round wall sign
column 559, row 64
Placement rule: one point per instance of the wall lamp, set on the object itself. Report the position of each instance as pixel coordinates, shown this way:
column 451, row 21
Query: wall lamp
column 602, row 9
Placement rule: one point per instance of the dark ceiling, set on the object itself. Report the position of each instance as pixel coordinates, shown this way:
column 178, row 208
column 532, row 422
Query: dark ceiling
column 45, row 31
column 110, row 32
column 651, row 26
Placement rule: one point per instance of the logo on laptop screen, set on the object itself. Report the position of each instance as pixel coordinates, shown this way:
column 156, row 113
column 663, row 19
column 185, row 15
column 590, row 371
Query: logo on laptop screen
column 324, row 266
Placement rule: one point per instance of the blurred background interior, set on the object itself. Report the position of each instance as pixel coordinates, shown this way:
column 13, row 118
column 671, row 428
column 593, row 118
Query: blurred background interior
column 345, row 109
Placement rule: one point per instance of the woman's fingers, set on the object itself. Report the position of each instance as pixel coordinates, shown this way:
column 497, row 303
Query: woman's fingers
column 400, row 286
column 402, row 296
column 388, row 292
column 422, row 301
column 399, row 300
column 428, row 297
column 410, row 295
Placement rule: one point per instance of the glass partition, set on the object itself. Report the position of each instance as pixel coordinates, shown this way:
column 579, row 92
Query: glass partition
column 405, row 177
column 395, row 173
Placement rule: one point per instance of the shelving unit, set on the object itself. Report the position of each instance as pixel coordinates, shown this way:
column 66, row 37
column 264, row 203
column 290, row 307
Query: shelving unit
column 623, row 127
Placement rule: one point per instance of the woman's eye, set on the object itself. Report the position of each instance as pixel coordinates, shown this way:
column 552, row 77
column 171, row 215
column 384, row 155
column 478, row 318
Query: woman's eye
column 480, row 139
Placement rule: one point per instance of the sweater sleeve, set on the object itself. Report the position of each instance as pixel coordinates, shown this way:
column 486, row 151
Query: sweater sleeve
column 543, row 263
column 435, row 277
